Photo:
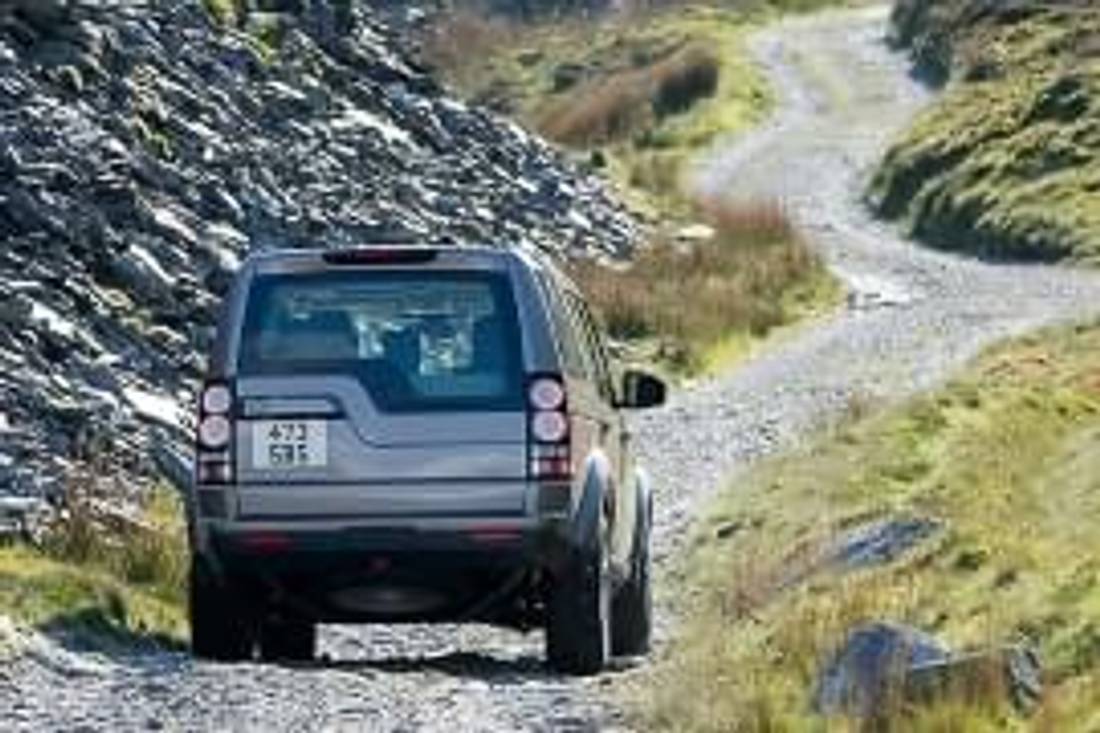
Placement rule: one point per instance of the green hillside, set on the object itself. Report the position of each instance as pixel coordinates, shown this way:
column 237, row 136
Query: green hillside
column 1004, row 459
column 1007, row 162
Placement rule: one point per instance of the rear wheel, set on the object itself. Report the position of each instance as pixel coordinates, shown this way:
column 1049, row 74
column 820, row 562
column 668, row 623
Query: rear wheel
column 287, row 640
column 221, row 628
column 578, row 628
column 632, row 609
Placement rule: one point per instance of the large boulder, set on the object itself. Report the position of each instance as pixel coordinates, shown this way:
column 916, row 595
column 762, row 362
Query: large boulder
column 882, row 667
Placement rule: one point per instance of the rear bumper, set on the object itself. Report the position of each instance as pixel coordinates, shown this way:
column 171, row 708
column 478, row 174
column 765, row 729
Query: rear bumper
column 461, row 563
column 515, row 541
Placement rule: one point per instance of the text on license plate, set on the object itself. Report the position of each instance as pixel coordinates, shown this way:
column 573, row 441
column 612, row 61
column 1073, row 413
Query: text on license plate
column 289, row 444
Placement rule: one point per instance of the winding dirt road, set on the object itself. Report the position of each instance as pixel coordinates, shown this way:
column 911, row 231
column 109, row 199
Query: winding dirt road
column 913, row 317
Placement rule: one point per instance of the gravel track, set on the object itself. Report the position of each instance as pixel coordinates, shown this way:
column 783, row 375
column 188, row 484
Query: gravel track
column 913, row 316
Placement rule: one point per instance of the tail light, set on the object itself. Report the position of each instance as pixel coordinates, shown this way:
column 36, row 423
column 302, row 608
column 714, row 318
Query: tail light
column 548, row 429
column 214, row 442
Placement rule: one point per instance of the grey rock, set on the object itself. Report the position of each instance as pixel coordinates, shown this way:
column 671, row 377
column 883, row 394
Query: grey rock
column 22, row 516
column 883, row 542
column 285, row 101
column 15, row 309
column 866, row 672
column 139, row 271
column 882, row 666
column 44, row 15
column 1014, row 671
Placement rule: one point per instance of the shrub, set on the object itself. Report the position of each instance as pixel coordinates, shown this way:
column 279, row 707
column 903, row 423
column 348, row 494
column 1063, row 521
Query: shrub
column 629, row 101
column 683, row 80
column 600, row 112
column 690, row 297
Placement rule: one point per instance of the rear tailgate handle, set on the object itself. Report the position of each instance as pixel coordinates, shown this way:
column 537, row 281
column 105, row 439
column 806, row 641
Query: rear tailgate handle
column 290, row 408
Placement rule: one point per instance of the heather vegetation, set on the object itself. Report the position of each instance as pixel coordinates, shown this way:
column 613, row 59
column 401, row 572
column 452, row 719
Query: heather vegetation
column 1007, row 162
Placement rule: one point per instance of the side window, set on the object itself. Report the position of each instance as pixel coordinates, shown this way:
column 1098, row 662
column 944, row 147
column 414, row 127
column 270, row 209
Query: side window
column 601, row 368
column 572, row 358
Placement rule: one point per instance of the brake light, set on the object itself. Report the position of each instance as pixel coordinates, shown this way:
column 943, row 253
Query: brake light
column 380, row 256
column 266, row 542
column 548, row 429
column 214, row 437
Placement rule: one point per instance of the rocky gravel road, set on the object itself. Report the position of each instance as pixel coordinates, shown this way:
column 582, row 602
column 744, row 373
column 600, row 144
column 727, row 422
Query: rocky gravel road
column 913, row 317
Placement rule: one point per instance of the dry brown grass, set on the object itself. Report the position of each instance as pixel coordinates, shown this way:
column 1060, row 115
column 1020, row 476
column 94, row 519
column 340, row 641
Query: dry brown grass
column 457, row 45
column 599, row 112
column 691, row 297
column 626, row 102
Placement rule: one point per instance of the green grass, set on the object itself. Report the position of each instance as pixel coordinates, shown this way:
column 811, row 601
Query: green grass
column 1007, row 162
column 1006, row 457
column 121, row 587
column 263, row 31
column 224, row 12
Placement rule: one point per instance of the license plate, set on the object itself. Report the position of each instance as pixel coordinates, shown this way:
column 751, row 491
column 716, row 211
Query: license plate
column 281, row 444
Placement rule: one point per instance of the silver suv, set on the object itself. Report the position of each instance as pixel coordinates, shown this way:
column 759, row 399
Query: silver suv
column 410, row 434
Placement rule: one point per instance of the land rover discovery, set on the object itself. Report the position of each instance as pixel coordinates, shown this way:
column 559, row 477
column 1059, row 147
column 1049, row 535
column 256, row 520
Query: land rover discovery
column 416, row 434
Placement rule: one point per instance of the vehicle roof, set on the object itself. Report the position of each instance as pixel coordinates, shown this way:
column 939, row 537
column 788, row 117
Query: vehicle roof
column 472, row 257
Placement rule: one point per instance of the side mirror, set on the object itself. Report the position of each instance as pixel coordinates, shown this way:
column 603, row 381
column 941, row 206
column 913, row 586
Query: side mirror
column 641, row 390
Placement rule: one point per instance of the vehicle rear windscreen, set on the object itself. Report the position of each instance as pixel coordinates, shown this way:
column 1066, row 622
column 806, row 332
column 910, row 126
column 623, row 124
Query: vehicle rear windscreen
column 437, row 340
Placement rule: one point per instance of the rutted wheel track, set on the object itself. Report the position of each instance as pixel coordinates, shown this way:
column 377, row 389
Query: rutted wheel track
column 913, row 317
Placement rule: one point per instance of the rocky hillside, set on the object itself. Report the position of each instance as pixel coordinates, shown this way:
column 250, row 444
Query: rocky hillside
column 1007, row 163
column 145, row 148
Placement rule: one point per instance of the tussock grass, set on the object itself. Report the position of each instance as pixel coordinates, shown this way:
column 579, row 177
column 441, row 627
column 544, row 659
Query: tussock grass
column 466, row 39
column 1005, row 457
column 129, row 582
column 753, row 275
column 626, row 102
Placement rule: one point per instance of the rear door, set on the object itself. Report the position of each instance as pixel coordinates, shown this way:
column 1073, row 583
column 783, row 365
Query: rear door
column 375, row 392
